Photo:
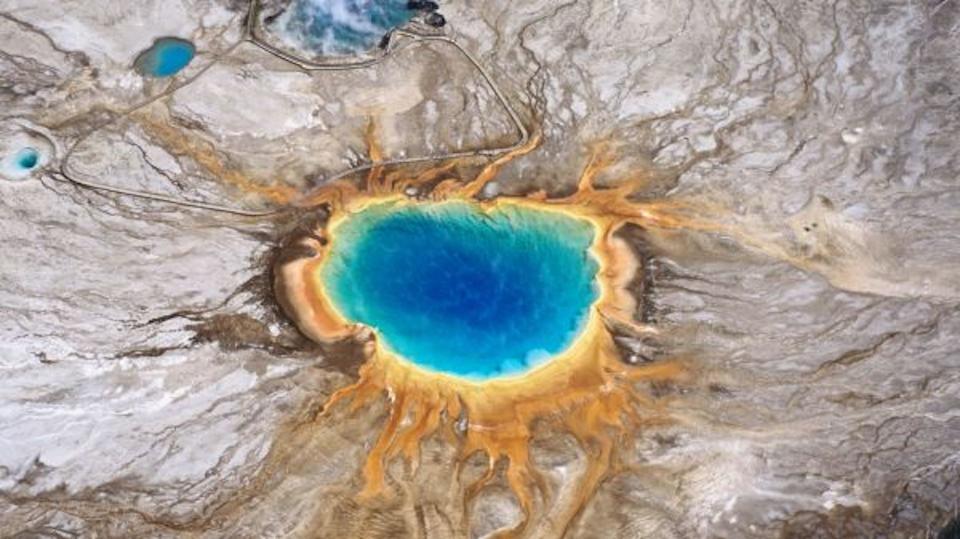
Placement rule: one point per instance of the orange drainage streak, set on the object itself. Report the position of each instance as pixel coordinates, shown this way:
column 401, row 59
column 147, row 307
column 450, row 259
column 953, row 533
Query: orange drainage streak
column 586, row 390
column 201, row 151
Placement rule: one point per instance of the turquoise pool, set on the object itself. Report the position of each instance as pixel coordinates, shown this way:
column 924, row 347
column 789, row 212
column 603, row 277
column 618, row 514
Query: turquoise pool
column 20, row 164
column 166, row 57
column 27, row 159
column 462, row 291
column 342, row 27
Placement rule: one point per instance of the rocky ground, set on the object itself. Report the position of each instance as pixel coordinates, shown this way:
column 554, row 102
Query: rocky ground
column 146, row 371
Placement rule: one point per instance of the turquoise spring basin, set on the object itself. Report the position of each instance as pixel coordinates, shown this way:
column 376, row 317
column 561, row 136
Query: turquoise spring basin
column 458, row 290
column 166, row 57
column 343, row 27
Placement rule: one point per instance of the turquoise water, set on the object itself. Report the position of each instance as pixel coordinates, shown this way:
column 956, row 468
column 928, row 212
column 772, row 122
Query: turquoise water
column 340, row 27
column 166, row 57
column 27, row 158
column 20, row 164
column 460, row 291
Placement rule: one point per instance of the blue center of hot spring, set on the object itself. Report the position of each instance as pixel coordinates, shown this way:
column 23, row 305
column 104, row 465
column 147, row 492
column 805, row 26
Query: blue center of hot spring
column 166, row 57
column 339, row 27
column 463, row 291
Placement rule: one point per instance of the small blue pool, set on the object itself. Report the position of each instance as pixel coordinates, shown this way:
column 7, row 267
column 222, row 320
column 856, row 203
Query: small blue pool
column 463, row 291
column 20, row 164
column 27, row 159
column 342, row 27
column 166, row 57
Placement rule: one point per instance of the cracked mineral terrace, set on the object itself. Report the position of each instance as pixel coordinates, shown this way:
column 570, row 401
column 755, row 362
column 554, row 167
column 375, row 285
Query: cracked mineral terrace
column 774, row 186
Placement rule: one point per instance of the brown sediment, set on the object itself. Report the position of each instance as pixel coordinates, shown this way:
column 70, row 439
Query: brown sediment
column 316, row 317
column 587, row 390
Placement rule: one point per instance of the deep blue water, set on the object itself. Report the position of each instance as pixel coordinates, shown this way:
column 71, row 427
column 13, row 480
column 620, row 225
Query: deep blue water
column 461, row 291
column 166, row 57
column 340, row 27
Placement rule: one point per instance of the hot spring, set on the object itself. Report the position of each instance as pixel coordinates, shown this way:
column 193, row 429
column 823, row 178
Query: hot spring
column 166, row 57
column 21, row 164
column 343, row 27
column 463, row 290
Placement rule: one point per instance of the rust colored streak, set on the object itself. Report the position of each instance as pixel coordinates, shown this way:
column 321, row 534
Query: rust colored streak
column 202, row 152
column 472, row 188
column 375, row 151
column 601, row 157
